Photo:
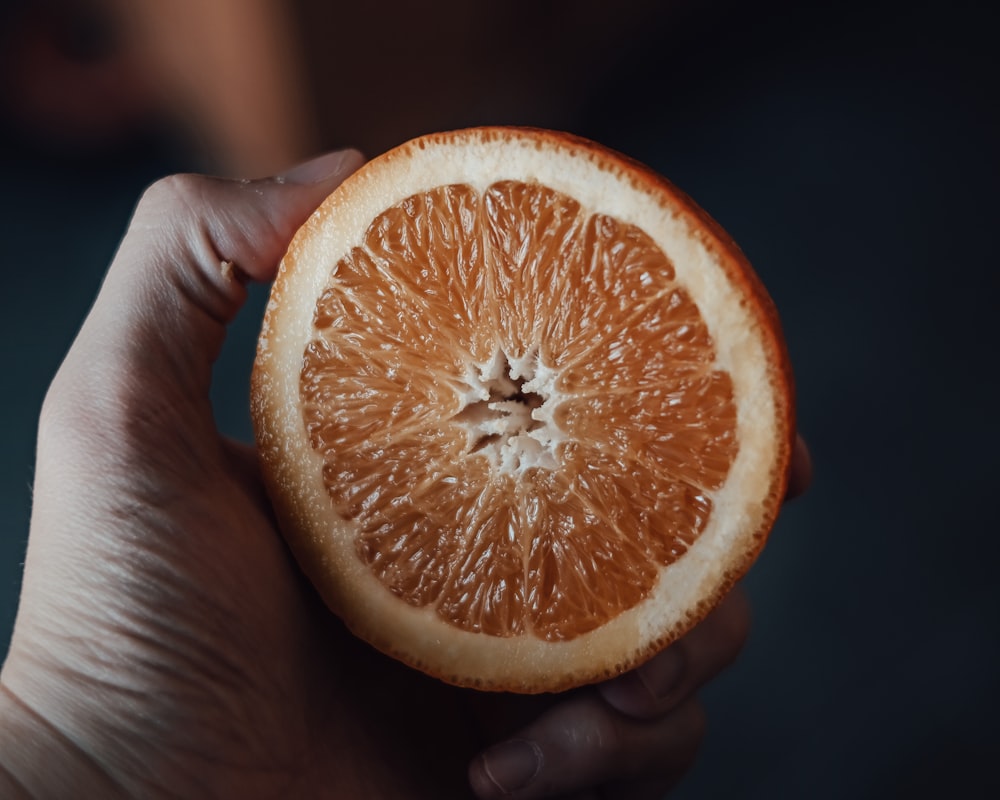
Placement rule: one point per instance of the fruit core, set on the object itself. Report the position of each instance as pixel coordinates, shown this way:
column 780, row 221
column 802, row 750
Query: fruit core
column 507, row 411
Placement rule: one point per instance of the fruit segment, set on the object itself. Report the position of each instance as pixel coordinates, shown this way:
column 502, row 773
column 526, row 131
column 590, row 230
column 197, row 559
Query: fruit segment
column 533, row 245
column 518, row 406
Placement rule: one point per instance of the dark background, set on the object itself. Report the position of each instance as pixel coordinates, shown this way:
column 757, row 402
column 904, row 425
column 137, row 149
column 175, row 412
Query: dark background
column 852, row 151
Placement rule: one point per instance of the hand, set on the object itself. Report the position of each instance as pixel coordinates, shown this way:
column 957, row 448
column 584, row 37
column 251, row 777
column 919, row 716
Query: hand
column 165, row 643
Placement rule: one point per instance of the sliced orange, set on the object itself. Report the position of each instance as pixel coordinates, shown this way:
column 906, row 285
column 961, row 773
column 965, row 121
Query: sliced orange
column 524, row 409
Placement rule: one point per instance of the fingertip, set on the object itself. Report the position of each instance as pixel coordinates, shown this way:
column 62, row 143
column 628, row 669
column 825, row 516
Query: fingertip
column 648, row 690
column 801, row 469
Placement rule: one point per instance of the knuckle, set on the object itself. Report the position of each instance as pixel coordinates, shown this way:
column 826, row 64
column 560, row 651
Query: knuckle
column 55, row 411
column 69, row 405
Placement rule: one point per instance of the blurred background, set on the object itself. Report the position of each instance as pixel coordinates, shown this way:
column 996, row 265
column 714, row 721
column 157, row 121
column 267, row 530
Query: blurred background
column 851, row 148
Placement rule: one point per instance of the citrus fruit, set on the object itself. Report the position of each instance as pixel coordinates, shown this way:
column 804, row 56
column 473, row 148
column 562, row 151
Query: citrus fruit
column 524, row 410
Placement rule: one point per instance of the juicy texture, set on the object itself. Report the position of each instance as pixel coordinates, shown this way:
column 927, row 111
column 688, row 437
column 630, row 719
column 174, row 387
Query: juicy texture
column 453, row 290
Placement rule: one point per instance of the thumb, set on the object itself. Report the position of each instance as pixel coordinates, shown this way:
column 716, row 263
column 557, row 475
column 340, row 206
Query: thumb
column 179, row 278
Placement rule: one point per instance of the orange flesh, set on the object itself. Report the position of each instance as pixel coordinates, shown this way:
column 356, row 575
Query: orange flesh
column 443, row 283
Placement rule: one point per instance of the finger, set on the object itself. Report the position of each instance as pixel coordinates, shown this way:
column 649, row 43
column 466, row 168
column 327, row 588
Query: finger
column 179, row 275
column 676, row 673
column 801, row 470
column 583, row 744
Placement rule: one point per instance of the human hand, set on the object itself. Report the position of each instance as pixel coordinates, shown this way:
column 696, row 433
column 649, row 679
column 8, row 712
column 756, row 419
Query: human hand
column 166, row 645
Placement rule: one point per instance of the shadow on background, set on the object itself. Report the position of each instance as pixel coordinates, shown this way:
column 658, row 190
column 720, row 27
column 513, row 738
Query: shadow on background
column 851, row 150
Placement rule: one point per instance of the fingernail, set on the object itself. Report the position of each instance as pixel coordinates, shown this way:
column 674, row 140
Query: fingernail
column 512, row 765
column 662, row 674
column 327, row 167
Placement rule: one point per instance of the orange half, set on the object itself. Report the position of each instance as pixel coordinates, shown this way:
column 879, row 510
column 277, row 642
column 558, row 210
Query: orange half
column 524, row 409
